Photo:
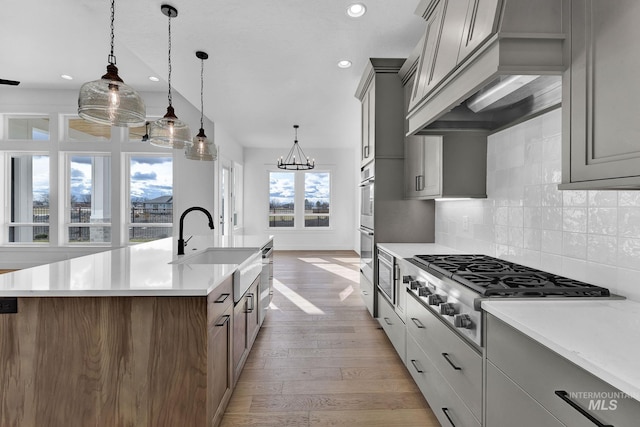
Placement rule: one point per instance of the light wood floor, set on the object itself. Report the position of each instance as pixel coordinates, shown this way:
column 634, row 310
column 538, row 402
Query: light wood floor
column 320, row 359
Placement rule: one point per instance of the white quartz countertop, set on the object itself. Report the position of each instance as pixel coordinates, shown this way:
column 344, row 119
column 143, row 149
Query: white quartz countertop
column 602, row 337
column 139, row 270
column 407, row 250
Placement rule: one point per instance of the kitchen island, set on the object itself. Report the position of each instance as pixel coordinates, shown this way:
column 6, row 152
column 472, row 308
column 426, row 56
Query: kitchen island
column 124, row 337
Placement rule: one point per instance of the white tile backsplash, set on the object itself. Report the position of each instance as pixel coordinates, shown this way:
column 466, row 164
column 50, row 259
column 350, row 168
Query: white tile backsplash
column 592, row 236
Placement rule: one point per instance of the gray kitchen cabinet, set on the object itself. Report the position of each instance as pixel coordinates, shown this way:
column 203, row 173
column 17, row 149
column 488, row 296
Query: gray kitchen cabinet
column 448, row 165
column 532, row 377
column 393, row 326
column 367, row 293
column 601, row 131
column 246, row 325
column 381, row 96
column 456, row 361
column 443, row 400
column 368, row 146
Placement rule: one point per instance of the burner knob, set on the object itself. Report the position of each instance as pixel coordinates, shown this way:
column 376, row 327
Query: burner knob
column 407, row 279
column 435, row 299
column 448, row 309
column 462, row 321
column 415, row 284
column 423, row 291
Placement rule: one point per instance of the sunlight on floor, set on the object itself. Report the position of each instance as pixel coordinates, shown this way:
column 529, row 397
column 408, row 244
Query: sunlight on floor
column 351, row 260
column 313, row 260
column 341, row 271
column 346, row 292
column 304, row 304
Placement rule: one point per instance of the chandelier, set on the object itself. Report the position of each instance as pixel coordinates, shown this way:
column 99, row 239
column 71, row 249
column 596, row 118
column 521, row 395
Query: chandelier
column 290, row 162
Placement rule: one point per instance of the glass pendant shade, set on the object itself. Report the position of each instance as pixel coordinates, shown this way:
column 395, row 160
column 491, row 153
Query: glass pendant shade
column 169, row 132
column 201, row 149
column 109, row 101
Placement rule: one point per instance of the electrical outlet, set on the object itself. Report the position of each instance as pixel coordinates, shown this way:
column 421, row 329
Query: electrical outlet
column 465, row 223
column 8, row 305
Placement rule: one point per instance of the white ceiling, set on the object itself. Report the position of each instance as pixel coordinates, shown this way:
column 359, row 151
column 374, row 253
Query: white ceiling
column 272, row 63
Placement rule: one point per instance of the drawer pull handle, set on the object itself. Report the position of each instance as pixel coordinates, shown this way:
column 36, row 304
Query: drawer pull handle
column 446, row 414
column 222, row 298
column 417, row 323
column 223, row 320
column 388, row 321
column 446, row 357
column 565, row 396
column 417, row 367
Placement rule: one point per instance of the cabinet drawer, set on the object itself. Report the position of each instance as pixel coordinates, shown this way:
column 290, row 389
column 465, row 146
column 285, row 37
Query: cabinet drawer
column 366, row 292
column 508, row 405
column 453, row 357
column 444, row 402
column 219, row 300
column 541, row 372
column 392, row 325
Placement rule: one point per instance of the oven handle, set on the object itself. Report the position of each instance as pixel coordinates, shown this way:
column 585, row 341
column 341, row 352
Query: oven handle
column 446, row 357
column 365, row 231
column 367, row 182
column 565, row 396
column 446, row 414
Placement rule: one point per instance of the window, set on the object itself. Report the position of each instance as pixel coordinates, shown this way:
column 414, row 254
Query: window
column 81, row 130
column 151, row 197
column 31, row 128
column 288, row 190
column 281, row 199
column 89, row 207
column 317, row 190
column 29, row 216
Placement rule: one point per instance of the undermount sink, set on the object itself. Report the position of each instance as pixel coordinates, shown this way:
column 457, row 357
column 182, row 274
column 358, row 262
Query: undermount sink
column 219, row 256
column 249, row 262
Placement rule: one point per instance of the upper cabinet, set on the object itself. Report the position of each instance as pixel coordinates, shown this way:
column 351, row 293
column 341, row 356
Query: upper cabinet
column 381, row 94
column 601, row 130
column 450, row 165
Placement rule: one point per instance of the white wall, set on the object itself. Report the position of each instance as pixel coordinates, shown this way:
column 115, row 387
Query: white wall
column 341, row 233
column 593, row 236
column 195, row 183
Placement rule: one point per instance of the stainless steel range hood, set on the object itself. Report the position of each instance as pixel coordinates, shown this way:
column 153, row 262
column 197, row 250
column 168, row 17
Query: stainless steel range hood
column 513, row 73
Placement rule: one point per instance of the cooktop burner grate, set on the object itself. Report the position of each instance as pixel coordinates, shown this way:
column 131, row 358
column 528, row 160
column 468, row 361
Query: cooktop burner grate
column 493, row 277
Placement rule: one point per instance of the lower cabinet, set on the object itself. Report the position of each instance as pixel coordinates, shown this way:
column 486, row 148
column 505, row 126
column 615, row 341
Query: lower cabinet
column 367, row 293
column 246, row 324
column 445, row 403
column 393, row 326
column 525, row 377
column 220, row 370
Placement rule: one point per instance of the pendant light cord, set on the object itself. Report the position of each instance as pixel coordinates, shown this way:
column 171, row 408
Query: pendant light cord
column 202, row 94
column 112, row 58
column 169, row 60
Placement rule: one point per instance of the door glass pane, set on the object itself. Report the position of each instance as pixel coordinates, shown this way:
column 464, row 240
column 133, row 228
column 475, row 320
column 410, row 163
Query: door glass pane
column 29, row 198
column 317, row 192
column 281, row 199
column 89, row 198
column 35, row 128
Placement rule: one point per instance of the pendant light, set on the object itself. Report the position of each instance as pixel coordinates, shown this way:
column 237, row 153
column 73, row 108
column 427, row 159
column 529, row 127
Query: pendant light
column 109, row 101
column 202, row 148
column 169, row 131
column 290, row 161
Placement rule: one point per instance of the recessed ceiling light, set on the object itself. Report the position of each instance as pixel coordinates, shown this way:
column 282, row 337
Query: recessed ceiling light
column 154, row 79
column 344, row 63
column 356, row 10
column 66, row 77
